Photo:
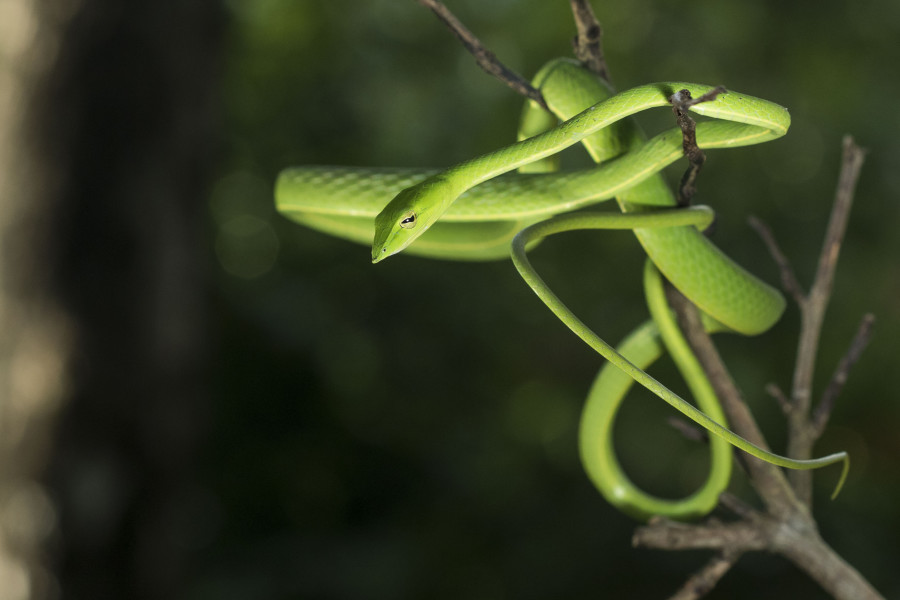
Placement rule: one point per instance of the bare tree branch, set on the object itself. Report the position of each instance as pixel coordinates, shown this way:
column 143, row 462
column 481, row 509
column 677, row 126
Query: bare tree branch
column 486, row 59
column 738, row 507
column 801, row 434
column 788, row 279
column 687, row 429
column 826, row 405
column 822, row 564
column 801, row 545
column 664, row 534
column 787, row 526
column 803, row 430
column 776, row 392
column 681, row 102
column 702, row 582
column 588, row 43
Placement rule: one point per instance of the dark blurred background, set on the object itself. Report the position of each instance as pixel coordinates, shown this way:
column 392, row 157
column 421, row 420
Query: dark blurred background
column 200, row 399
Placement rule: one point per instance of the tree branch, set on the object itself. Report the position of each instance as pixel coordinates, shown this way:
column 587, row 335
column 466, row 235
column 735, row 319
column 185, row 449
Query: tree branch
column 681, row 101
column 801, row 433
column 688, row 429
column 703, row 581
column 788, row 279
column 588, row 43
column 804, row 547
column 783, row 402
column 787, row 526
column 486, row 59
column 823, row 565
column 664, row 534
column 826, row 405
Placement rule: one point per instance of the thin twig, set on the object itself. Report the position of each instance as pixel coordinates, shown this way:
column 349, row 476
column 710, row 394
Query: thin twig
column 689, row 431
column 486, row 59
column 788, row 279
column 588, row 43
column 820, row 292
column 704, row 580
column 681, row 102
column 826, row 405
column 776, row 392
column 852, row 161
column 738, row 507
column 685, row 101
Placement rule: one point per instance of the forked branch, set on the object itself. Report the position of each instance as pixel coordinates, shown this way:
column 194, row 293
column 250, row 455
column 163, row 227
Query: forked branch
column 787, row 527
column 804, row 429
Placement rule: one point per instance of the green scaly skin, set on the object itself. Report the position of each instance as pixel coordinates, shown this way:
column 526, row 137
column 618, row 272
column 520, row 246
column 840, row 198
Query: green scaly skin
column 642, row 348
column 416, row 208
column 569, row 89
column 473, row 210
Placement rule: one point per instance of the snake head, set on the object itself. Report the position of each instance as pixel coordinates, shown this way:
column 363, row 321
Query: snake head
column 408, row 216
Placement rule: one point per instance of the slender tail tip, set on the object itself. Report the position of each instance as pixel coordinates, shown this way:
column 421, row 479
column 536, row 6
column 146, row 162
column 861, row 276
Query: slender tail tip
column 844, row 471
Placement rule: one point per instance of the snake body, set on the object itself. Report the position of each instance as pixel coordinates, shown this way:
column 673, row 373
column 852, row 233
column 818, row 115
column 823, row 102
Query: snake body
column 472, row 211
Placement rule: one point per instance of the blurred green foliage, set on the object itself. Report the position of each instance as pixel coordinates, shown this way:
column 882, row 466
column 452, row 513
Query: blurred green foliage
column 408, row 430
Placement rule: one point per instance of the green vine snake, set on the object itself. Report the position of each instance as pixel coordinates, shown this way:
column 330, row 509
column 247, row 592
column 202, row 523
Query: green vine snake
column 510, row 198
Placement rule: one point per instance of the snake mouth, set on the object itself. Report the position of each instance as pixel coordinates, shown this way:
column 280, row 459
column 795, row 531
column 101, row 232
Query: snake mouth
column 383, row 229
column 379, row 255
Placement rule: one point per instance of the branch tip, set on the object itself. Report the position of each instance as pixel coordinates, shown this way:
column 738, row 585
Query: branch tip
column 788, row 279
column 681, row 101
column 486, row 59
column 826, row 405
column 738, row 506
column 704, row 580
column 695, row 434
column 776, row 392
column 588, row 42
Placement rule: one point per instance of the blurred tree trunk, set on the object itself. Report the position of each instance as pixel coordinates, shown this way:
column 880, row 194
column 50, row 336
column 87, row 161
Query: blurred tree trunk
column 35, row 332
column 106, row 131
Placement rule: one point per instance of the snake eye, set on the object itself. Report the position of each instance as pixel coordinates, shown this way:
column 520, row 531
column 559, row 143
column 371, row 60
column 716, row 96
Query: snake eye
column 409, row 221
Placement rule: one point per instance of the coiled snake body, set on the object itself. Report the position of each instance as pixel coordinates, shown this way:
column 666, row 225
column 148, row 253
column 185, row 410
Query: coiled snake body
column 480, row 208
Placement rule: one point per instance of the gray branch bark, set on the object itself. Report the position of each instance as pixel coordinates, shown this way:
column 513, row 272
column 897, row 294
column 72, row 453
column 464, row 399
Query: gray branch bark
column 787, row 527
